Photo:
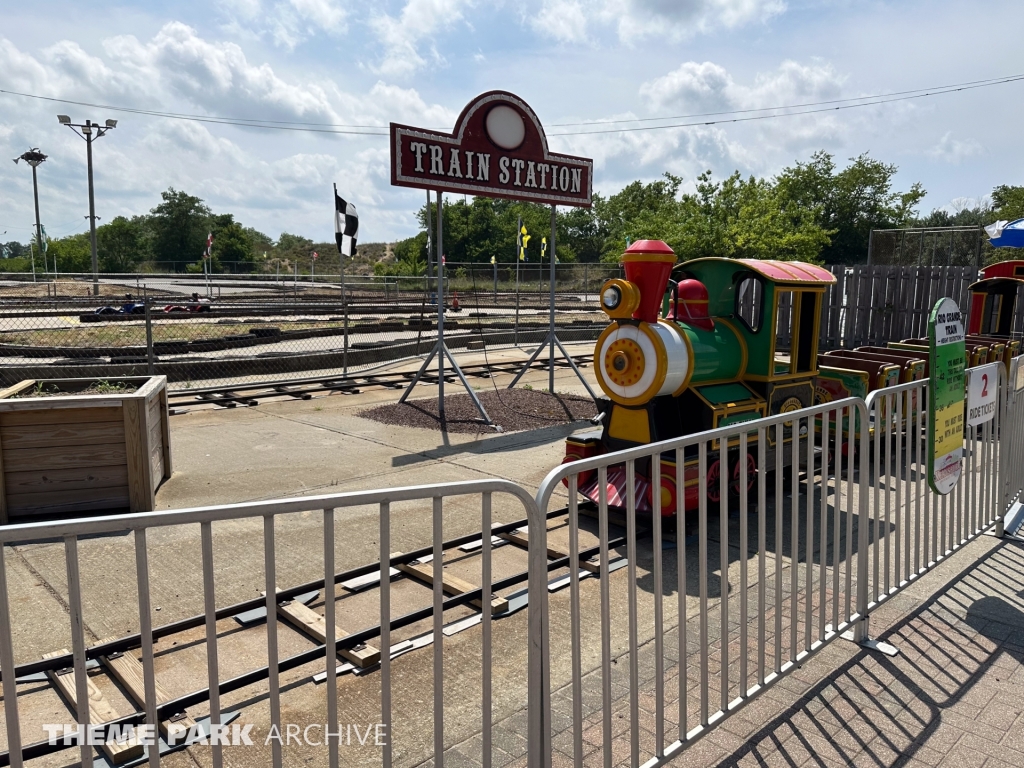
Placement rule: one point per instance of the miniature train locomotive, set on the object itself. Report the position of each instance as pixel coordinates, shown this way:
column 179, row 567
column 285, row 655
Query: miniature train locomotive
column 692, row 347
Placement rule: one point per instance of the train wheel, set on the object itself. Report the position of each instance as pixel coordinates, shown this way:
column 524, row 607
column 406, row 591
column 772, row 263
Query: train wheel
column 734, row 488
column 714, row 481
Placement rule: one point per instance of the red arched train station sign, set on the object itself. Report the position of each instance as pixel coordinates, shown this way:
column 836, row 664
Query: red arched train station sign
column 498, row 149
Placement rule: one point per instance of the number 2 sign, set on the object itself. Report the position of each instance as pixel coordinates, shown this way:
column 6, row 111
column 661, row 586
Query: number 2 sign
column 982, row 383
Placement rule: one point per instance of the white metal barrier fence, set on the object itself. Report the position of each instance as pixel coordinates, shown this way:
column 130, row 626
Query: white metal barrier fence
column 802, row 557
column 158, row 710
column 697, row 662
column 917, row 527
column 1012, row 455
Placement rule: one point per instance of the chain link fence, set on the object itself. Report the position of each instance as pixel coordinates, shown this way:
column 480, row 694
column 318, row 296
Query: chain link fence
column 233, row 330
column 930, row 247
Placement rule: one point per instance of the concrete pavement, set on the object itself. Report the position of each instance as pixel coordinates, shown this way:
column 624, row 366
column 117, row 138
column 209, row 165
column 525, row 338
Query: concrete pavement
column 948, row 697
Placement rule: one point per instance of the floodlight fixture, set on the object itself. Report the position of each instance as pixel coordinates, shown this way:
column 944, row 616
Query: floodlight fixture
column 90, row 131
column 35, row 158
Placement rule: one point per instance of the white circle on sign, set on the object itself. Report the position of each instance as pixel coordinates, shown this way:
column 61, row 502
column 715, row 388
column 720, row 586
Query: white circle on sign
column 505, row 127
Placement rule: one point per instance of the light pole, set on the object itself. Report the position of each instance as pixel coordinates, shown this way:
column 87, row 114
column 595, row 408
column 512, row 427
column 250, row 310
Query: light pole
column 90, row 131
column 35, row 158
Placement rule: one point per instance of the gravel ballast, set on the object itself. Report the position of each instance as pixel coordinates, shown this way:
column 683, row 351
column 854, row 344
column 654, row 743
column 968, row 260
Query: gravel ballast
column 514, row 410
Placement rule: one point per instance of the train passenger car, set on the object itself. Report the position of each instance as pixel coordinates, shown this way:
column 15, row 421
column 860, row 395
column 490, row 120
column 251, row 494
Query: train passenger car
column 994, row 302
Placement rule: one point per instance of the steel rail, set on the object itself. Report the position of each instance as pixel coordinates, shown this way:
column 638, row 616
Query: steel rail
column 129, row 642
column 185, row 398
column 202, row 695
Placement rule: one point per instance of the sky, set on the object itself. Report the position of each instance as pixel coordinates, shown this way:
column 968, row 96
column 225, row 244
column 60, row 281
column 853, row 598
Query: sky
column 578, row 63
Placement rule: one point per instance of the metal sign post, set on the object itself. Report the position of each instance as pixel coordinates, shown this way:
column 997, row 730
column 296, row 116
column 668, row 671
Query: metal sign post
column 551, row 340
column 344, row 311
column 497, row 149
column 440, row 350
column 945, row 396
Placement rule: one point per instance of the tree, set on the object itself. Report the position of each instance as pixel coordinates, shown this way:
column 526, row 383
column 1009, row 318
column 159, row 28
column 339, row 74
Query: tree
column 231, row 245
column 13, row 250
column 120, row 245
column 1007, row 202
column 293, row 249
column 475, row 231
column 850, row 202
column 638, row 211
column 261, row 243
column 410, row 258
column 582, row 233
column 70, row 254
column 180, row 225
column 963, row 215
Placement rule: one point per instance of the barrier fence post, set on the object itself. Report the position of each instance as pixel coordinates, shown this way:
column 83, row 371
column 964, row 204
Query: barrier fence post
column 150, row 362
column 538, row 735
column 860, row 632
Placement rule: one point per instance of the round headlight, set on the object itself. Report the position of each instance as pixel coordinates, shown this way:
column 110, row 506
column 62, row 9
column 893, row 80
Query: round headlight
column 612, row 297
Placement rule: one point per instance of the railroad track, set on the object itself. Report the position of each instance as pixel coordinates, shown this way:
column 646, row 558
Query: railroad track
column 231, row 396
column 356, row 647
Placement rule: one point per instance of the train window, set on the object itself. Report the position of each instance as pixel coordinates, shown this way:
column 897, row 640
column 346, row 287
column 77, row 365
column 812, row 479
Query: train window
column 750, row 302
column 806, row 344
column 785, row 318
column 994, row 305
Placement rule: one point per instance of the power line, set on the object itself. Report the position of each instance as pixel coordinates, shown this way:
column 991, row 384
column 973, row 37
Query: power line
column 280, row 125
column 602, row 121
column 873, row 102
column 367, row 130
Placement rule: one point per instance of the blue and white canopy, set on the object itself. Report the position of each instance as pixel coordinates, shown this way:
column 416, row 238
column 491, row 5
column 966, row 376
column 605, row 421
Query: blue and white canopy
column 1006, row 234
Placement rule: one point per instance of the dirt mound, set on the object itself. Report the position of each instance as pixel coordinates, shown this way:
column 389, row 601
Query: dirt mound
column 515, row 410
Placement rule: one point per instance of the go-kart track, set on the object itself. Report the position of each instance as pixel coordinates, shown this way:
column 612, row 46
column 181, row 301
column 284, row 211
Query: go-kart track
column 260, row 336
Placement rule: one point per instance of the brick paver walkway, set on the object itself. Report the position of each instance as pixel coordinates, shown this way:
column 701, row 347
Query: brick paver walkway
column 954, row 696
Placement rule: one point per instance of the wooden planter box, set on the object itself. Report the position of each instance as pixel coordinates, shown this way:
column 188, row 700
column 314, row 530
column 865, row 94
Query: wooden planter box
column 73, row 453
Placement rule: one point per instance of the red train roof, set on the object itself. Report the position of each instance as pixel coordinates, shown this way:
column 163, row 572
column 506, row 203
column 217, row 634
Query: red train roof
column 782, row 271
column 1010, row 269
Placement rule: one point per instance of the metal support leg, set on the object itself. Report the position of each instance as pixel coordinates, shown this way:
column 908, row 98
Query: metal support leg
column 553, row 340
column 526, row 367
column 441, row 351
column 859, row 635
column 419, row 374
column 465, row 383
column 575, row 369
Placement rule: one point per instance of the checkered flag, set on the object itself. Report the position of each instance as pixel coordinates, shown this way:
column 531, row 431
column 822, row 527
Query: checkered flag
column 346, row 226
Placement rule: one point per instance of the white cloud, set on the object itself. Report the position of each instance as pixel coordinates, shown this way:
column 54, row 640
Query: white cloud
column 329, row 15
column 401, row 36
column 706, row 86
column 674, row 19
column 273, row 181
column 634, row 20
column 286, row 22
column 216, row 76
column 954, row 151
column 698, row 88
column 563, row 20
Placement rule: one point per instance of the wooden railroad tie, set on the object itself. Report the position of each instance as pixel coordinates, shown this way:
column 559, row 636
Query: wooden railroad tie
column 313, row 624
column 555, row 551
column 451, row 585
column 129, row 672
column 100, row 712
